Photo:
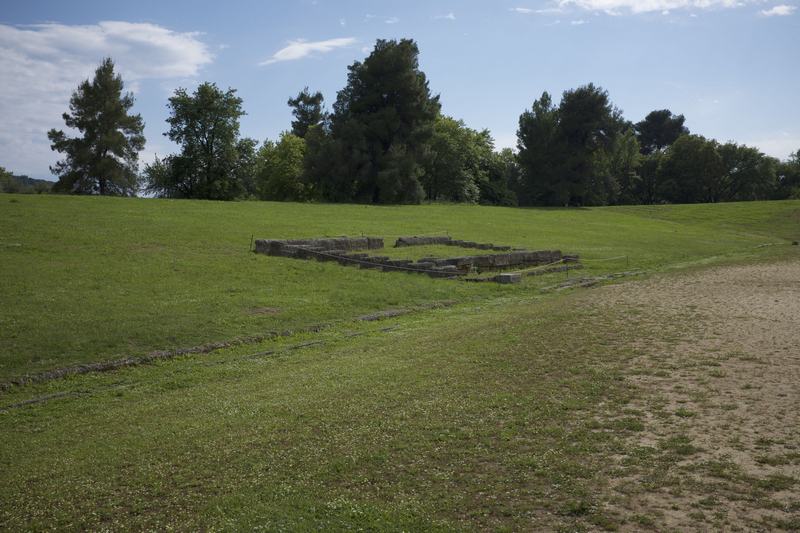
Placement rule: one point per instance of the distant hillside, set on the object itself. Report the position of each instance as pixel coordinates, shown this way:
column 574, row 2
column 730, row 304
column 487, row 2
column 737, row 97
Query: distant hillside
column 12, row 183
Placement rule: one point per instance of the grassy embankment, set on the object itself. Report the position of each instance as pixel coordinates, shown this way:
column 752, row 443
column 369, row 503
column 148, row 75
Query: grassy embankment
column 92, row 279
column 485, row 415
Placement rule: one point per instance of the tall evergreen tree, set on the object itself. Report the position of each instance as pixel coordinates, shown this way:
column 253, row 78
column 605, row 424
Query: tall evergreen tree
column 540, row 155
column 307, row 110
column 380, row 129
column 660, row 129
column 104, row 158
column 562, row 150
column 588, row 125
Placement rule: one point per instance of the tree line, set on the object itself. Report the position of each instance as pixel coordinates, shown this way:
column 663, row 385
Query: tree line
column 21, row 184
column 386, row 141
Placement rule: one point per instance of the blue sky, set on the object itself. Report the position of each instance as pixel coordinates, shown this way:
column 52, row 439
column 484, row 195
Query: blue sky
column 730, row 66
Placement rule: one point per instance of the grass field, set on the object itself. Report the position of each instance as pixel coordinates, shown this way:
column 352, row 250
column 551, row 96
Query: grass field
column 507, row 410
column 90, row 279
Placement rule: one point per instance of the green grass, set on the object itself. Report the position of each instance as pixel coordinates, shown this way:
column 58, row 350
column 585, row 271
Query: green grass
column 459, row 418
column 508, row 410
column 88, row 279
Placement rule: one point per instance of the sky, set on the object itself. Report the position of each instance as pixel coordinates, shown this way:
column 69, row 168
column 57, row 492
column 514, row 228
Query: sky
column 729, row 66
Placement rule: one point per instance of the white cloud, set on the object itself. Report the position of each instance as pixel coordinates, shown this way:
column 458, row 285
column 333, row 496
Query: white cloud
column 387, row 20
column 41, row 65
column 646, row 6
column 301, row 48
column 578, row 22
column 544, row 11
column 449, row 16
column 782, row 10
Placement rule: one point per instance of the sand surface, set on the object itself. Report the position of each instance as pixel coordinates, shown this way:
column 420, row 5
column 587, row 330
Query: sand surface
column 718, row 366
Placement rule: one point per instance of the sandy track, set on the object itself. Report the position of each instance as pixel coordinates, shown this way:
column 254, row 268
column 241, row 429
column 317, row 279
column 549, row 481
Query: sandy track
column 718, row 378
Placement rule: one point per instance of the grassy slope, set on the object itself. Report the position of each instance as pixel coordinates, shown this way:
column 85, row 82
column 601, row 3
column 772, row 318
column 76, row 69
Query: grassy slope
column 88, row 279
column 488, row 415
column 473, row 417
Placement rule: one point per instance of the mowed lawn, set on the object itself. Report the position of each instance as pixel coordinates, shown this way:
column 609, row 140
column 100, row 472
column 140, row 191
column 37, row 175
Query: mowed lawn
column 509, row 410
column 90, row 279
column 481, row 417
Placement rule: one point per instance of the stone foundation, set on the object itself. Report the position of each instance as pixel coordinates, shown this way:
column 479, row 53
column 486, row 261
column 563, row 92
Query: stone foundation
column 446, row 241
column 346, row 251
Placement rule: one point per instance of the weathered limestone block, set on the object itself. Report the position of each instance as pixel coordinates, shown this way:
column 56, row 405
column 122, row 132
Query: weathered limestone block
column 338, row 244
column 420, row 241
column 508, row 277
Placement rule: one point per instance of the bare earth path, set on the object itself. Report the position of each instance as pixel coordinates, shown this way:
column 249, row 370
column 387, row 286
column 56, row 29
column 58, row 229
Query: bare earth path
column 719, row 400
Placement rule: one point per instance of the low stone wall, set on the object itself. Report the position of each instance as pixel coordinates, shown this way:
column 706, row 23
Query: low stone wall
column 346, row 251
column 510, row 259
column 446, row 241
column 291, row 247
column 421, row 241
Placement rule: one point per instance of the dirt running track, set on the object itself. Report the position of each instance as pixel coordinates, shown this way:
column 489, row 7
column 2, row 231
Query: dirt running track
column 717, row 372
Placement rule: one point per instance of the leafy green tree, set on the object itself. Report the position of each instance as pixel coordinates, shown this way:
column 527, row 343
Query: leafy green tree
column 749, row 174
column 280, row 175
column 789, row 177
column 246, row 169
column 307, row 110
column 502, row 176
column 624, row 162
column 660, row 129
column 206, row 126
column 458, row 161
column 104, row 158
column 380, row 129
column 7, row 182
column 647, row 187
column 692, row 171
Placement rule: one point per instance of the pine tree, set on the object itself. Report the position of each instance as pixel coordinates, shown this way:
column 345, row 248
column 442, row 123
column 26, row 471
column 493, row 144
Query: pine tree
column 104, row 159
column 307, row 110
column 381, row 127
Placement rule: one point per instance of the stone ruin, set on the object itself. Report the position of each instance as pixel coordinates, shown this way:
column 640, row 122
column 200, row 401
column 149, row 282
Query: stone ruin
column 350, row 251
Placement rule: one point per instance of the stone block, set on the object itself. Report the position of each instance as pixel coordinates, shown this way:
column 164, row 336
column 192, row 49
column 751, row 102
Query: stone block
column 508, row 277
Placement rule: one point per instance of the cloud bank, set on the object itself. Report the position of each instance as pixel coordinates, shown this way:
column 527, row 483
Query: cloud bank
column 41, row 65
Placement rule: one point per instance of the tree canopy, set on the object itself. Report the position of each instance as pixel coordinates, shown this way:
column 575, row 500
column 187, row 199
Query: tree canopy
column 104, row 158
column 205, row 124
column 561, row 150
column 307, row 110
column 386, row 141
column 660, row 129
column 380, row 128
